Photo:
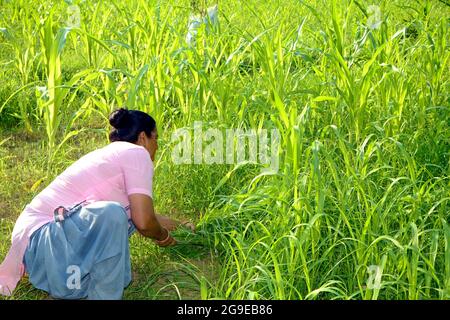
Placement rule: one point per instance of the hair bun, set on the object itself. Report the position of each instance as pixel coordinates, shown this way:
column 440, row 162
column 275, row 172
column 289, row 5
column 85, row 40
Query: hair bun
column 119, row 118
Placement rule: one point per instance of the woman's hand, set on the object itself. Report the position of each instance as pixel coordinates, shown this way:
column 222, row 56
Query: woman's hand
column 145, row 220
column 188, row 225
column 153, row 225
column 171, row 224
column 167, row 241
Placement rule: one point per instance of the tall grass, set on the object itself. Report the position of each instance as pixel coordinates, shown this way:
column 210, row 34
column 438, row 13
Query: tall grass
column 362, row 111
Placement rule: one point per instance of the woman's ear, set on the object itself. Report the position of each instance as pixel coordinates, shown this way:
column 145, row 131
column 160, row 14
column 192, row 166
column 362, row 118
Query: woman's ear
column 141, row 138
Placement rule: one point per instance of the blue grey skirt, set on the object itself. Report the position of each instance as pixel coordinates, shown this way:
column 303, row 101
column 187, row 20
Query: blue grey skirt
column 84, row 253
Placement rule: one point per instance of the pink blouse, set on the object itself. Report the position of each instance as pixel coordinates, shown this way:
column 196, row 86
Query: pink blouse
column 110, row 173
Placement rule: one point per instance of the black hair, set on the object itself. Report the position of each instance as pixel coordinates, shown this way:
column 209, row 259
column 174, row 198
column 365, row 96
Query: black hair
column 128, row 124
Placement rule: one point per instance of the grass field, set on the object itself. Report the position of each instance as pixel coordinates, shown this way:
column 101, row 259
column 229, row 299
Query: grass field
column 358, row 90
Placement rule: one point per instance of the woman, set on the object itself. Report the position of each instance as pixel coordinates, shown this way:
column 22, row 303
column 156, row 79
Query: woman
column 72, row 239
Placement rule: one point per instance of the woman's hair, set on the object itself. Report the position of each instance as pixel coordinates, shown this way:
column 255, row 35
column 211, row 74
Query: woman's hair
column 128, row 124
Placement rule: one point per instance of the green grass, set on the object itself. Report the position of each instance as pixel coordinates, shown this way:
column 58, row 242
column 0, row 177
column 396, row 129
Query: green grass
column 362, row 113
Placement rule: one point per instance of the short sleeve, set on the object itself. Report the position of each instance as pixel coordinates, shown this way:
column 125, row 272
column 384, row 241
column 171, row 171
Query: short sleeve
column 137, row 167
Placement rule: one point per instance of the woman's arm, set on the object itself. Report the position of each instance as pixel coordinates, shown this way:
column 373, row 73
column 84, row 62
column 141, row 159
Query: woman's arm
column 146, row 222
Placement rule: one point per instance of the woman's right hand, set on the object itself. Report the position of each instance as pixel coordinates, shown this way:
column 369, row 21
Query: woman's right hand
column 146, row 222
column 167, row 241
